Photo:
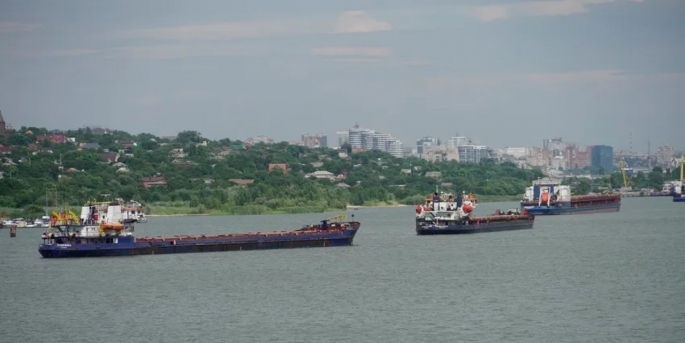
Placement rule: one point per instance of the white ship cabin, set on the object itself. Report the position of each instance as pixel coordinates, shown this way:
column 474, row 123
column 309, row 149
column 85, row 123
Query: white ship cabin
column 95, row 225
column 547, row 193
column 446, row 206
column 98, row 214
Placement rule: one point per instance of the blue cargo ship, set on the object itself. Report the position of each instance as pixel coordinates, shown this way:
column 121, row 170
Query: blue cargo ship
column 89, row 237
column 443, row 214
column 550, row 198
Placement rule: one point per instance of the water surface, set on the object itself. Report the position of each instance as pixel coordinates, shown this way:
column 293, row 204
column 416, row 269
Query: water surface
column 614, row 277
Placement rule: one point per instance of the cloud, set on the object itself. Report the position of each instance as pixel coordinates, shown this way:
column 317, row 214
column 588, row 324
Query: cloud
column 71, row 52
column 535, row 8
column 582, row 78
column 352, row 51
column 172, row 51
column 218, row 31
column 12, row 26
column 358, row 22
column 586, row 76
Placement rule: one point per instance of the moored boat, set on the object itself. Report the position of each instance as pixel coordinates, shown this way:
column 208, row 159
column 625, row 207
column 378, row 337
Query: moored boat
column 94, row 236
column 680, row 196
column 553, row 198
column 444, row 214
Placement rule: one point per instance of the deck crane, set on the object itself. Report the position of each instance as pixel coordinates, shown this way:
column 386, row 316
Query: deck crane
column 626, row 180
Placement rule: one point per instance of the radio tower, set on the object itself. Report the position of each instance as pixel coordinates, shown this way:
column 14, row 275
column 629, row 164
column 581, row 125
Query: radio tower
column 630, row 143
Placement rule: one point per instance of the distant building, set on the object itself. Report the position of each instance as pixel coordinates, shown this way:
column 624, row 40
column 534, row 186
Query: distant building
column 454, row 142
column 315, row 141
column 361, row 139
column 551, row 143
column 602, row 156
column 260, row 139
column 4, row 129
column 426, row 141
column 396, row 149
column 473, row 153
column 153, row 181
column 53, row 138
column 343, row 137
column 516, row 152
column 282, row 166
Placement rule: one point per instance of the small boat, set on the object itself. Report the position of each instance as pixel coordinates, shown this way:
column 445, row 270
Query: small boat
column 443, row 214
column 93, row 235
column 680, row 196
column 549, row 198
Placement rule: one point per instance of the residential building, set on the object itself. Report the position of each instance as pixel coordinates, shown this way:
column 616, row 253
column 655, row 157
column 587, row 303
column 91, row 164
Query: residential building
column 260, row 139
column 516, row 152
column 358, row 136
column 315, row 141
column 282, row 166
column 426, row 141
column 53, row 138
column 361, row 139
column 396, row 149
column 153, row 181
column 603, row 157
column 473, row 153
column 552, row 143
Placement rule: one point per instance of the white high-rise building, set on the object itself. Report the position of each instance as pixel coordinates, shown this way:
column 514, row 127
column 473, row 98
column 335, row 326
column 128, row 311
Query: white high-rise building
column 396, row 149
column 368, row 139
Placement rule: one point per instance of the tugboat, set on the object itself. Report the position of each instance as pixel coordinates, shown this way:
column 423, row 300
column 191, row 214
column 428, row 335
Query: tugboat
column 96, row 234
column 443, row 214
column 547, row 198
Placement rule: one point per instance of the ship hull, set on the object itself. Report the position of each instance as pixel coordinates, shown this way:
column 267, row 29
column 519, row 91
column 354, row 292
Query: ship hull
column 474, row 227
column 178, row 246
column 567, row 208
column 679, row 198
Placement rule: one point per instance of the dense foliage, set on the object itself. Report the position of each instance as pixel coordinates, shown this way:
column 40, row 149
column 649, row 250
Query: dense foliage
column 36, row 174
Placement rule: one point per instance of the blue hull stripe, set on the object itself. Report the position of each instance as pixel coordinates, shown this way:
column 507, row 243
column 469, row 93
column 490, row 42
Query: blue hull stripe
column 199, row 245
column 554, row 210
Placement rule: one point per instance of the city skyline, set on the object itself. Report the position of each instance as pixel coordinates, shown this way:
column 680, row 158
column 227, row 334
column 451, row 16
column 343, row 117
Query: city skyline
column 510, row 73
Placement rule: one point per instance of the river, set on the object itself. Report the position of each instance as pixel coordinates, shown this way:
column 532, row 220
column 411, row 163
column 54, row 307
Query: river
column 613, row 277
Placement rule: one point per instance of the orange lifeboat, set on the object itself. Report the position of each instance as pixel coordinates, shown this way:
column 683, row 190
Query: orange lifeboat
column 544, row 197
column 112, row 226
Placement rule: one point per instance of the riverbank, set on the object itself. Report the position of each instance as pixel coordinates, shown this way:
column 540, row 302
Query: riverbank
column 183, row 209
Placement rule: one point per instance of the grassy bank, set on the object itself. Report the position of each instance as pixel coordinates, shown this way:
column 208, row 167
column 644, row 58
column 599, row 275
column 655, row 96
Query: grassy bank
column 155, row 210
column 184, row 208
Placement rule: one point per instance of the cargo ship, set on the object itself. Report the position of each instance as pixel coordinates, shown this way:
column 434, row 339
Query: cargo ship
column 445, row 214
column 93, row 235
column 548, row 198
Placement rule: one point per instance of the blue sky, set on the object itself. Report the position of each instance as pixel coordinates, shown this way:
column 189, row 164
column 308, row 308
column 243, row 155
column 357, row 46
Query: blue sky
column 506, row 73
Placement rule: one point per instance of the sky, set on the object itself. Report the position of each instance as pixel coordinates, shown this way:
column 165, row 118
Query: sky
column 503, row 72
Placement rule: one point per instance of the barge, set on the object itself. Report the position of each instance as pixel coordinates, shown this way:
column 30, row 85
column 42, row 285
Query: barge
column 553, row 198
column 114, row 236
column 443, row 214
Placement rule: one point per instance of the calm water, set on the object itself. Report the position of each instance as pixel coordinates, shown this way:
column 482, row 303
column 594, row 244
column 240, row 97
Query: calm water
column 615, row 277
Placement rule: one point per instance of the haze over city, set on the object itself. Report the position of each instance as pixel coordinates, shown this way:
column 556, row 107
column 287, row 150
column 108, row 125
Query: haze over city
column 506, row 73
